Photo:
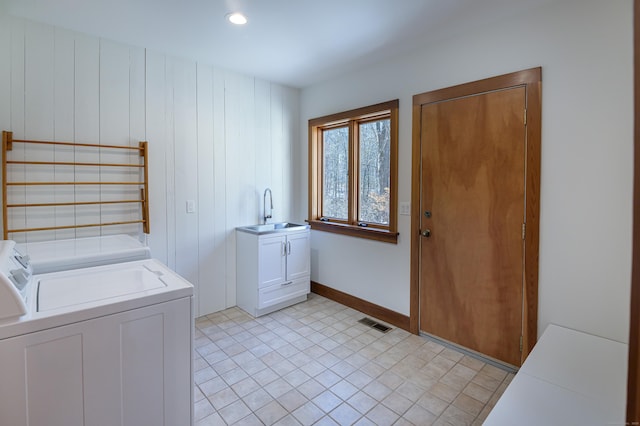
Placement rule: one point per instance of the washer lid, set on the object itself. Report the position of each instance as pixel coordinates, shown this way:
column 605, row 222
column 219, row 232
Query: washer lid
column 65, row 290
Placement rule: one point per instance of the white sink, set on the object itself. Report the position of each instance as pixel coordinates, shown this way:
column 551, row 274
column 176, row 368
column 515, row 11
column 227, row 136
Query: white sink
column 273, row 227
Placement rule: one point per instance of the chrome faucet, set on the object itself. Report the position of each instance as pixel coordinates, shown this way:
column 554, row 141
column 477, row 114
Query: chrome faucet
column 264, row 199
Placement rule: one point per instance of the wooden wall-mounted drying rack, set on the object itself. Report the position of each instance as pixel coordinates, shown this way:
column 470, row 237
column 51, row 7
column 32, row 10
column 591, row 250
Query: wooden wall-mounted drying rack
column 7, row 145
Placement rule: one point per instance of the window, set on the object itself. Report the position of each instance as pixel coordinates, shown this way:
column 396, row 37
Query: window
column 353, row 172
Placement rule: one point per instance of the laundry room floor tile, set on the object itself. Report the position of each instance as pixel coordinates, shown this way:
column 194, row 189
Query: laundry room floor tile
column 314, row 364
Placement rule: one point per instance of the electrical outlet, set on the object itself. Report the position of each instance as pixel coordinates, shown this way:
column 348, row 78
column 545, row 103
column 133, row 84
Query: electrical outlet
column 405, row 208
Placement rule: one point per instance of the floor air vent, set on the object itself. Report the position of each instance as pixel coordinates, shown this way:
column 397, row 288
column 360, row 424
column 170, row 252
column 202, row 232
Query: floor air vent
column 371, row 323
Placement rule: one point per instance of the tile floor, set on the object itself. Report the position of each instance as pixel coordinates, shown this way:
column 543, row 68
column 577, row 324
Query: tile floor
column 313, row 363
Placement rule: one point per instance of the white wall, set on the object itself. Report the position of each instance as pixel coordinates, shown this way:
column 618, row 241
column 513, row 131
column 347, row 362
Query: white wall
column 215, row 137
column 585, row 50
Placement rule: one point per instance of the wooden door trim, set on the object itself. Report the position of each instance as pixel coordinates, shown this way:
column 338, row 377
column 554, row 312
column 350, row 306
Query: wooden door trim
column 633, row 375
column 531, row 79
column 506, row 81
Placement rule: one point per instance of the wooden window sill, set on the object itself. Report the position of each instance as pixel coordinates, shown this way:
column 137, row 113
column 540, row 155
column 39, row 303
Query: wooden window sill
column 355, row 231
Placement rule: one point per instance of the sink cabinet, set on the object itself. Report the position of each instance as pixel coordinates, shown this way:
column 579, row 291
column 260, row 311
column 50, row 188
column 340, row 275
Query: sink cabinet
column 272, row 270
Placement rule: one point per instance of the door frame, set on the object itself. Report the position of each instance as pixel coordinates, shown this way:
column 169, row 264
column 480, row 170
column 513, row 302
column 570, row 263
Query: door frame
column 531, row 79
column 633, row 368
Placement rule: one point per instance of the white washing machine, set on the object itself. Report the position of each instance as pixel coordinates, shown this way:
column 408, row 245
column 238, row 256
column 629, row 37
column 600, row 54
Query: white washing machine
column 62, row 255
column 105, row 345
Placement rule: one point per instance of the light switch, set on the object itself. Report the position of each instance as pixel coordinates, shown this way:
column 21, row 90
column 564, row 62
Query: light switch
column 405, row 208
column 191, row 206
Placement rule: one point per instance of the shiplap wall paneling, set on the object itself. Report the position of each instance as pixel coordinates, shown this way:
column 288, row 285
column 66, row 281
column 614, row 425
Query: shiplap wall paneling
column 170, row 168
column 121, row 123
column 241, row 205
column 137, row 125
column 283, row 117
column 233, row 152
column 63, row 129
column 278, row 137
column 38, row 123
column 220, row 284
column 263, row 147
column 211, row 292
column 5, row 73
column 87, row 130
column 17, row 216
column 156, row 134
column 114, row 130
column 5, row 76
column 290, row 108
column 241, row 147
column 185, row 146
column 216, row 137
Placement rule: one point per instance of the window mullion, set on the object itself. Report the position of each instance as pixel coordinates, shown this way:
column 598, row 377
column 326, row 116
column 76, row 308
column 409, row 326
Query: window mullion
column 319, row 171
column 354, row 173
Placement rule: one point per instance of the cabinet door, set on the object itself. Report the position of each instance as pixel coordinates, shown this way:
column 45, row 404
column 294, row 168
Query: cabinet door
column 298, row 256
column 132, row 368
column 51, row 393
column 271, row 260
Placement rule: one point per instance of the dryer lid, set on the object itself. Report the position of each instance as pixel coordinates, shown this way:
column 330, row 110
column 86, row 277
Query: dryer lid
column 61, row 255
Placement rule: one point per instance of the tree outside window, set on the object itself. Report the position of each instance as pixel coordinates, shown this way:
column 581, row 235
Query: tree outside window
column 375, row 182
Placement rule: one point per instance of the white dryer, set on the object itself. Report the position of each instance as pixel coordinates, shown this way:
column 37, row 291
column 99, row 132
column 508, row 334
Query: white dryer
column 63, row 255
column 105, row 345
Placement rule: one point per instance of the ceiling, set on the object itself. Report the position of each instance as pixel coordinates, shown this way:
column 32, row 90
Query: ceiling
column 292, row 42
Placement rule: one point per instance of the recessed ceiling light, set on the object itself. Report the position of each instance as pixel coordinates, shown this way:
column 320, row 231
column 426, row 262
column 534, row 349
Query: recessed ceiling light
column 237, row 18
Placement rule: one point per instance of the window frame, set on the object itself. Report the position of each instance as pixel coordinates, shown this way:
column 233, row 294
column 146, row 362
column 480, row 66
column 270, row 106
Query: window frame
column 352, row 119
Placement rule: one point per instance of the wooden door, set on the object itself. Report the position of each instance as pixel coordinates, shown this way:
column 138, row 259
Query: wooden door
column 473, row 157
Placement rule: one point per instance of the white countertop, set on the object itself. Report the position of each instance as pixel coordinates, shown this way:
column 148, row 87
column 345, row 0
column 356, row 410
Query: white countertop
column 570, row 378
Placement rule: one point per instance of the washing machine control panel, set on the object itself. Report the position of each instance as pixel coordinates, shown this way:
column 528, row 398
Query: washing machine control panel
column 15, row 277
column 19, row 271
column 23, row 259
